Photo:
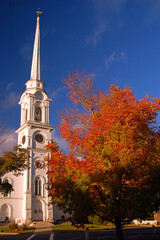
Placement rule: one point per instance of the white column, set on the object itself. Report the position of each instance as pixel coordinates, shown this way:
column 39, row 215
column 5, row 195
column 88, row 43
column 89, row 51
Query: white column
column 29, row 109
column 43, row 112
column 47, row 112
column 22, row 115
column 28, row 192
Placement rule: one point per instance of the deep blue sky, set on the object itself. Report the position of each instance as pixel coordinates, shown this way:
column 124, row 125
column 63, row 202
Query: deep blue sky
column 118, row 40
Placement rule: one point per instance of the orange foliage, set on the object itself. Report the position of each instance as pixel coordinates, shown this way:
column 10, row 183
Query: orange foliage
column 114, row 149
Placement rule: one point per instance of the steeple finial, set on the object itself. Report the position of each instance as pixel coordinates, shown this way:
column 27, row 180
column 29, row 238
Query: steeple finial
column 38, row 12
column 35, row 69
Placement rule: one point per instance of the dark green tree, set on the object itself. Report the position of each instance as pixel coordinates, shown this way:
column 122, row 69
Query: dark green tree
column 16, row 162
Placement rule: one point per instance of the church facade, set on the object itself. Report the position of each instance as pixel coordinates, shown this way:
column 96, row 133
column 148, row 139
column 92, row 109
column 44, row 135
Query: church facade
column 29, row 201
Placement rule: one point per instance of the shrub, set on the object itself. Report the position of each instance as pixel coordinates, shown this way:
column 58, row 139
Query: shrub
column 13, row 226
column 96, row 220
column 24, row 227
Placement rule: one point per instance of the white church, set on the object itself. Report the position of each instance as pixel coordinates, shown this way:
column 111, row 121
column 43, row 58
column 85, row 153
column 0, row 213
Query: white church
column 29, row 201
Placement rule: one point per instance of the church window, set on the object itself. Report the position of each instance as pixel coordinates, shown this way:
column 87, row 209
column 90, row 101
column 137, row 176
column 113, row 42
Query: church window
column 38, row 114
column 26, row 114
column 5, row 194
column 6, row 182
column 23, row 139
column 38, row 187
column 39, row 96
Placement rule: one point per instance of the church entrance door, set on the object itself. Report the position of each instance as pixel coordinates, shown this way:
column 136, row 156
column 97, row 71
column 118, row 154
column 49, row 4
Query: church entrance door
column 37, row 210
column 4, row 212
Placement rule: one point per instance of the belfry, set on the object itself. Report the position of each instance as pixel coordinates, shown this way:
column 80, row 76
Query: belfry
column 29, row 200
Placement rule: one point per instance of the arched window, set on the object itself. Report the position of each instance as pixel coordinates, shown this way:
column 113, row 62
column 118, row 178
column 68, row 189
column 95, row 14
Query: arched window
column 38, row 114
column 38, row 187
column 7, row 184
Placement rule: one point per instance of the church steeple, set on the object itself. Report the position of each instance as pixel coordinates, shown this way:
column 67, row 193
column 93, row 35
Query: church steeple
column 35, row 78
column 34, row 133
column 34, row 101
column 35, row 69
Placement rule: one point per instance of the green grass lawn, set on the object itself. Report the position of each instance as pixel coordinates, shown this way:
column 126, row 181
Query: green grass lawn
column 108, row 226
column 8, row 230
column 69, row 227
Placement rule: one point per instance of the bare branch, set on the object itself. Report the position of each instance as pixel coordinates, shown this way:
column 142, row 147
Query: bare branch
column 5, row 138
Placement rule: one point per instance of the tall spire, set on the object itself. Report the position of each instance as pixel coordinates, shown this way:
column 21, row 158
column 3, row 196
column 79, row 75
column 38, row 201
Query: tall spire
column 35, row 69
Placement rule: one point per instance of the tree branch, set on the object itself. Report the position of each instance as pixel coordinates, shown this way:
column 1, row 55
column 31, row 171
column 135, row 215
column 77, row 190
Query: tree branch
column 5, row 138
column 100, row 194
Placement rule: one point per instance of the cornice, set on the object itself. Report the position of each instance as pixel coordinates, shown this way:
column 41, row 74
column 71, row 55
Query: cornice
column 33, row 124
column 41, row 150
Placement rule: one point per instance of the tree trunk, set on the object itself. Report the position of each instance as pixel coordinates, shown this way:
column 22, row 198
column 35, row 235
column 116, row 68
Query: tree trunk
column 119, row 228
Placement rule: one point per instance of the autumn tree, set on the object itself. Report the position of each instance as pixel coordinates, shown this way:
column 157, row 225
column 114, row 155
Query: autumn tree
column 114, row 152
column 70, row 197
column 16, row 162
